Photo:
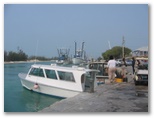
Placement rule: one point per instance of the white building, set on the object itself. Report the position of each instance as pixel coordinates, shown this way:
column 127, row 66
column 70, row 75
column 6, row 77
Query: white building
column 140, row 52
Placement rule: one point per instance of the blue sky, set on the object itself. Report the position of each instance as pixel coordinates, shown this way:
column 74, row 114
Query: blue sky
column 56, row 26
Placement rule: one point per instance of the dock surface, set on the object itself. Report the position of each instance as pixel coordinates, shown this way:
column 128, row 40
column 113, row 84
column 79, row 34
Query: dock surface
column 108, row 97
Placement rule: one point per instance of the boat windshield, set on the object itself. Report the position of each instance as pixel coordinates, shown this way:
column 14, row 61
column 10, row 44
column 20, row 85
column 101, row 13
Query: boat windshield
column 37, row 72
column 66, row 76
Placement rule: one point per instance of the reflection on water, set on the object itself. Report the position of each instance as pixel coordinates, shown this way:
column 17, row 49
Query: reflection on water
column 19, row 99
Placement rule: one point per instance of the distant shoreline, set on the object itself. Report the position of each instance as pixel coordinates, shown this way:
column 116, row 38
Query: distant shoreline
column 30, row 61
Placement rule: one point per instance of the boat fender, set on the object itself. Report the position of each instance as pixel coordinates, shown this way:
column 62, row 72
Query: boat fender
column 36, row 86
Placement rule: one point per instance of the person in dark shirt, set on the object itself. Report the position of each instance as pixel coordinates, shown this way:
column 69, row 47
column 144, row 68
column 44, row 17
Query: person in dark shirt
column 133, row 64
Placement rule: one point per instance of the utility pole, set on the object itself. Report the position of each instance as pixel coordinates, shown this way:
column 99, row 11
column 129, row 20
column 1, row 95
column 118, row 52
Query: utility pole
column 123, row 46
column 109, row 45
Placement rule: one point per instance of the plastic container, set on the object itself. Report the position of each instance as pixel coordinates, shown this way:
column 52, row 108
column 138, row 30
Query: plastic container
column 118, row 80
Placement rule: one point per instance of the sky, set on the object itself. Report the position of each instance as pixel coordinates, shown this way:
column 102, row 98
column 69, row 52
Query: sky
column 41, row 29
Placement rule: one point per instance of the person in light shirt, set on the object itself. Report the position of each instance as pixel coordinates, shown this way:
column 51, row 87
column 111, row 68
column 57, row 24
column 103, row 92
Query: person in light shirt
column 111, row 69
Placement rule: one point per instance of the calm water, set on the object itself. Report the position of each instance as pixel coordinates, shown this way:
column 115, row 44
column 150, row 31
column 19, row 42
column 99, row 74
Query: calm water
column 19, row 99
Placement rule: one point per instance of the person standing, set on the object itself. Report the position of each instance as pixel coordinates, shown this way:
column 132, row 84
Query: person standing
column 136, row 66
column 133, row 64
column 123, row 63
column 111, row 68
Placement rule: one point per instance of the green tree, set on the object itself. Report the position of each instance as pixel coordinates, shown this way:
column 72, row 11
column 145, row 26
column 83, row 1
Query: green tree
column 12, row 56
column 5, row 56
column 42, row 58
column 15, row 56
column 116, row 52
column 21, row 55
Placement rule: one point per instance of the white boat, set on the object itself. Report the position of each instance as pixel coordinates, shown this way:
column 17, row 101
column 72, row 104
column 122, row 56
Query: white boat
column 77, row 61
column 58, row 81
column 63, row 56
column 79, row 56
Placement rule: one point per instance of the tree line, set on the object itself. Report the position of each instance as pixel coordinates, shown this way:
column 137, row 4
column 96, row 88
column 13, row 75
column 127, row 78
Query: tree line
column 20, row 55
column 15, row 56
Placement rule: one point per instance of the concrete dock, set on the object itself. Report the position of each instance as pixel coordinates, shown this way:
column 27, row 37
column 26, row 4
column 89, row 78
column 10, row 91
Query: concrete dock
column 115, row 97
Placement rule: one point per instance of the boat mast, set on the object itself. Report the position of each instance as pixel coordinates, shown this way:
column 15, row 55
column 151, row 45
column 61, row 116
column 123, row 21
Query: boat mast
column 58, row 53
column 82, row 49
column 75, row 49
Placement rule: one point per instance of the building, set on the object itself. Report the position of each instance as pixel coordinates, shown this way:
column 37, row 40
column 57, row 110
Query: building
column 140, row 52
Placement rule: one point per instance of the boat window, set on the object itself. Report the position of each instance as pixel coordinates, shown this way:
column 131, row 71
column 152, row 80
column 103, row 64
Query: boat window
column 67, row 76
column 37, row 72
column 50, row 74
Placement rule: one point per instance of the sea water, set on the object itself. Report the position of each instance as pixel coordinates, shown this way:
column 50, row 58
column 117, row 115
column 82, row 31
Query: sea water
column 19, row 99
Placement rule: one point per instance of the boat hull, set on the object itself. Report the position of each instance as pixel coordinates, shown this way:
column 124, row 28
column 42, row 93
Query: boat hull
column 77, row 60
column 50, row 90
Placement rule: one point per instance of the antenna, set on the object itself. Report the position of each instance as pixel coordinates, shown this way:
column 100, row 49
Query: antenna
column 109, row 44
column 36, row 50
column 82, row 49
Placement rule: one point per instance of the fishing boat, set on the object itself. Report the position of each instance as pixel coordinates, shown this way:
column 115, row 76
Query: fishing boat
column 79, row 56
column 63, row 54
column 57, row 80
column 77, row 60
